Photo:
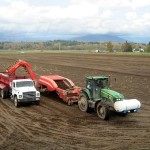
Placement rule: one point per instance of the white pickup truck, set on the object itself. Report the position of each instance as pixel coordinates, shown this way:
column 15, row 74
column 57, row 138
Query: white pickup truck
column 23, row 90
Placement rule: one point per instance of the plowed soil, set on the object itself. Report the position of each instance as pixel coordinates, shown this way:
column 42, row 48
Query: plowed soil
column 54, row 125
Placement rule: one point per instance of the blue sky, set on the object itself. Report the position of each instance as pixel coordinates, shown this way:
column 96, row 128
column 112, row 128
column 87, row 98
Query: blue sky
column 129, row 19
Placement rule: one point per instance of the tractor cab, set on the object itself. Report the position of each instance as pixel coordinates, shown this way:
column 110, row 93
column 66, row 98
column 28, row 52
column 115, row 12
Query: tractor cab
column 95, row 84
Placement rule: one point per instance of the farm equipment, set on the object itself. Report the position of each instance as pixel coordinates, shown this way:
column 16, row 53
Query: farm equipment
column 97, row 95
column 64, row 87
column 19, row 88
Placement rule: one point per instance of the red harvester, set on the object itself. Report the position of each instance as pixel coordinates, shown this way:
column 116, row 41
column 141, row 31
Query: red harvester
column 64, row 87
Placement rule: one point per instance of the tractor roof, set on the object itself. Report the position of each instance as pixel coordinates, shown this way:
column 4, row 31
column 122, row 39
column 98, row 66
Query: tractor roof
column 96, row 77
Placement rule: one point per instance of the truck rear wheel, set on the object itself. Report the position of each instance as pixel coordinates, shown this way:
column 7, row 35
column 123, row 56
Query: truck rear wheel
column 16, row 103
column 102, row 111
column 83, row 102
column 2, row 93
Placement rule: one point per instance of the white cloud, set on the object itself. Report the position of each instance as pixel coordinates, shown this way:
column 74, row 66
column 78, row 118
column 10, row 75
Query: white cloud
column 131, row 15
column 86, row 16
column 137, row 4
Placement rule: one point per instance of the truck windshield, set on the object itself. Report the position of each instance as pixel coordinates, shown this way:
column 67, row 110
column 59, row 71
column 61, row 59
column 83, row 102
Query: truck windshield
column 24, row 84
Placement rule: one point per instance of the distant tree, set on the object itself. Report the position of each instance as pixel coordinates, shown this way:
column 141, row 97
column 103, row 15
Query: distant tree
column 1, row 45
column 126, row 47
column 110, row 46
column 148, row 47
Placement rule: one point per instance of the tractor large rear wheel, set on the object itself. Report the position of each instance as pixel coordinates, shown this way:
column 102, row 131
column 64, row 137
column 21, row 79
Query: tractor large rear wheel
column 83, row 102
column 102, row 111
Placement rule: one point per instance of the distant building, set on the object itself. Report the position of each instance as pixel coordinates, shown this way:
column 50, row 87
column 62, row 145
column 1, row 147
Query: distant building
column 138, row 50
column 101, row 51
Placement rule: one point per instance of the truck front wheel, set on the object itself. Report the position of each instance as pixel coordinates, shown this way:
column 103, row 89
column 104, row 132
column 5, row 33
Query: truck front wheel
column 102, row 111
column 83, row 102
column 16, row 103
column 37, row 102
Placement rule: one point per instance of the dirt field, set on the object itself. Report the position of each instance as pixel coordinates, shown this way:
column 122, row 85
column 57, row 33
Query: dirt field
column 54, row 125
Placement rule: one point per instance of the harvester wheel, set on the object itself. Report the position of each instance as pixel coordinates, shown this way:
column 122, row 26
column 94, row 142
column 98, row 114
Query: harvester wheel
column 16, row 103
column 102, row 111
column 70, row 102
column 2, row 94
column 83, row 102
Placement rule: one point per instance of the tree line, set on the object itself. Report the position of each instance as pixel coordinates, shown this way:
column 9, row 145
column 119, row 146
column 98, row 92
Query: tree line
column 73, row 45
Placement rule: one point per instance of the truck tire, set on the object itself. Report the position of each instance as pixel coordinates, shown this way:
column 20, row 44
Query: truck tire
column 3, row 94
column 83, row 102
column 16, row 103
column 37, row 102
column 102, row 111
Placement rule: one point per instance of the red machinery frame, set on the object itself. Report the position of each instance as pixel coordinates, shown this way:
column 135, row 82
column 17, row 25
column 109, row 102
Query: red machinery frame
column 64, row 87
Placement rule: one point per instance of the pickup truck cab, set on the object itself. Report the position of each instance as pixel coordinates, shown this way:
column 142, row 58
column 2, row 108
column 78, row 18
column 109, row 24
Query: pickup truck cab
column 23, row 90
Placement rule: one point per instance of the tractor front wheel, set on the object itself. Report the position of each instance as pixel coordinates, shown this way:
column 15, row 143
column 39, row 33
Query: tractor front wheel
column 102, row 111
column 83, row 102
column 124, row 114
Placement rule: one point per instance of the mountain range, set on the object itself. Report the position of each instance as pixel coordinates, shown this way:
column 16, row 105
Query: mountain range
column 99, row 38
column 86, row 38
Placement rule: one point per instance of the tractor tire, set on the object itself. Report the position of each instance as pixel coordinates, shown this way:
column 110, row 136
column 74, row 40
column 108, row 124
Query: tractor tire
column 83, row 102
column 3, row 94
column 16, row 103
column 102, row 111
column 124, row 114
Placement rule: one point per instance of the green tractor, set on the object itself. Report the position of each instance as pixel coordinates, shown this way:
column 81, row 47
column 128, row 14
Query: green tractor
column 99, row 97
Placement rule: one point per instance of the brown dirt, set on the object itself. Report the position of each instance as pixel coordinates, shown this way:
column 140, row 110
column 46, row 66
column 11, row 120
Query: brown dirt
column 54, row 125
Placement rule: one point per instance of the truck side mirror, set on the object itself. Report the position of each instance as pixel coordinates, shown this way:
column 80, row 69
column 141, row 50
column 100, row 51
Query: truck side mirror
column 13, row 84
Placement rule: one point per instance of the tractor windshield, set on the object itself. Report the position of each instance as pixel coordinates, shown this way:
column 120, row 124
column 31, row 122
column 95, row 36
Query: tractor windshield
column 102, row 83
